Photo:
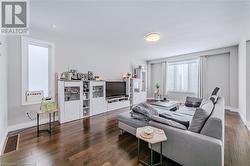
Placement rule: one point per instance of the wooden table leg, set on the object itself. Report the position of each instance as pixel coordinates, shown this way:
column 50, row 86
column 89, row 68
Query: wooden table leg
column 54, row 116
column 151, row 154
column 161, row 153
column 50, row 123
column 37, row 125
column 138, row 150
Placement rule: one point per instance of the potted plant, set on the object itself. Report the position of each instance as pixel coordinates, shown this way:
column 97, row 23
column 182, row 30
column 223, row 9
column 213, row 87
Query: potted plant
column 157, row 92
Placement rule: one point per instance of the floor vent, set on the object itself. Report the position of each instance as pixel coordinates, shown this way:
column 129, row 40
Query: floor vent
column 11, row 143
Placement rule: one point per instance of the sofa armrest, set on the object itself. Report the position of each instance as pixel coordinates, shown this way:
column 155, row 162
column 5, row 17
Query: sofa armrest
column 189, row 148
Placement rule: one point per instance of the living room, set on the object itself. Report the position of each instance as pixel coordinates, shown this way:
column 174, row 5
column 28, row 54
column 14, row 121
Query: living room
column 92, row 73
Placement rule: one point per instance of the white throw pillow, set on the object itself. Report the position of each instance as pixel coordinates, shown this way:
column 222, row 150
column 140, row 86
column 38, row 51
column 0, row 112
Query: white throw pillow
column 207, row 105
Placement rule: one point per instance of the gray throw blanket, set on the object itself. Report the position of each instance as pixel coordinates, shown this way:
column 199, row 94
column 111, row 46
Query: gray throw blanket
column 139, row 116
column 146, row 112
column 145, row 109
column 168, row 122
column 179, row 118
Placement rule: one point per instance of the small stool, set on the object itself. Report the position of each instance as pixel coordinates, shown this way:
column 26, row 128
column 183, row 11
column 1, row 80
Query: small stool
column 38, row 113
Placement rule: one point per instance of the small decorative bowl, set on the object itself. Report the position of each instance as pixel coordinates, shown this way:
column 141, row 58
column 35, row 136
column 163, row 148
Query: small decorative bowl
column 148, row 130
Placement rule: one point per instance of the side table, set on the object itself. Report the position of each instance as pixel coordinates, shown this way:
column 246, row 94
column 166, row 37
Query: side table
column 159, row 136
column 38, row 113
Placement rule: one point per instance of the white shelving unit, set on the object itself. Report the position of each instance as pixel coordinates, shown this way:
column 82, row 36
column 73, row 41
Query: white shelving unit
column 69, row 100
column 79, row 99
column 86, row 99
column 138, row 86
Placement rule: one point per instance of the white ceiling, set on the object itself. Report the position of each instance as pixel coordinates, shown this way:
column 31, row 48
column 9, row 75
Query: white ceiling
column 185, row 26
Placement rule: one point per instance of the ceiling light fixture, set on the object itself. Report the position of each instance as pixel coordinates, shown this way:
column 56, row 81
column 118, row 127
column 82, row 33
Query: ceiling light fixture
column 152, row 37
column 54, row 26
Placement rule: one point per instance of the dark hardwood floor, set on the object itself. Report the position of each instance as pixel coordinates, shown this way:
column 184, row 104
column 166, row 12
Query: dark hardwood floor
column 96, row 141
column 237, row 141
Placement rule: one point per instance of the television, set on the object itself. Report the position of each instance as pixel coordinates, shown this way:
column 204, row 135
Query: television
column 115, row 88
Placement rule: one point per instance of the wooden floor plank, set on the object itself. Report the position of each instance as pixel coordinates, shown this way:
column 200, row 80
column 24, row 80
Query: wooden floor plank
column 96, row 141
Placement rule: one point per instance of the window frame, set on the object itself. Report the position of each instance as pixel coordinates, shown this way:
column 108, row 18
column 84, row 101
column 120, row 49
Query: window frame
column 186, row 61
column 25, row 41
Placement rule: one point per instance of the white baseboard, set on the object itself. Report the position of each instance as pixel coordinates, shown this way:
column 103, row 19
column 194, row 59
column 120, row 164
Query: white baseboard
column 232, row 109
column 28, row 124
column 243, row 118
column 248, row 125
column 2, row 143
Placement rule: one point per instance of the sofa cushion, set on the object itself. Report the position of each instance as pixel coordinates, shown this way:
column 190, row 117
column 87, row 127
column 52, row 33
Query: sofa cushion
column 214, row 126
column 193, row 101
column 200, row 117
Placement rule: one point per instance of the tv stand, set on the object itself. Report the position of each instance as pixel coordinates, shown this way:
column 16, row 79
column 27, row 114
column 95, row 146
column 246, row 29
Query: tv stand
column 116, row 99
column 119, row 102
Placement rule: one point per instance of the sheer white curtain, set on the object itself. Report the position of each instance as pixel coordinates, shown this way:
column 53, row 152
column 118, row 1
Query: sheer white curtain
column 202, row 77
column 183, row 76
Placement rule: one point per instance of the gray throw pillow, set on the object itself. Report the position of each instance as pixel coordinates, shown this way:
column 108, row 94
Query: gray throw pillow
column 214, row 98
column 192, row 101
column 201, row 115
column 207, row 105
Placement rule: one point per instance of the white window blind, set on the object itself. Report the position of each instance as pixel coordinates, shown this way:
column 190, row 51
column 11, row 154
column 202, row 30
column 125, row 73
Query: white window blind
column 182, row 76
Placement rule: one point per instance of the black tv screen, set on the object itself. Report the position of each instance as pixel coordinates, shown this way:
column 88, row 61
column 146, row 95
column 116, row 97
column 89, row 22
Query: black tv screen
column 115, row 88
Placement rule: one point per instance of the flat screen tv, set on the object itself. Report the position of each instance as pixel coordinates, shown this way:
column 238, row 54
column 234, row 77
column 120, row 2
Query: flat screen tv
column 115, row 88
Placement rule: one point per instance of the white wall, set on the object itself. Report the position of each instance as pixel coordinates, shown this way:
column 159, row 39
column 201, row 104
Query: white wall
column 3, row 91
column 242, row 80
column 218, row 75
column 233, row 72
column 104, row 60
column 248, row 83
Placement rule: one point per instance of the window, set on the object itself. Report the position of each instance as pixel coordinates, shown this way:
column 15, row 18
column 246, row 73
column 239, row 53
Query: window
column 37, row 70
column 182, row 76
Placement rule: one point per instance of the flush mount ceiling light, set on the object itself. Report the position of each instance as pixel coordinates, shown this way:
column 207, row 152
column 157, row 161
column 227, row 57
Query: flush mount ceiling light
column 53, row 26
column 152, row 37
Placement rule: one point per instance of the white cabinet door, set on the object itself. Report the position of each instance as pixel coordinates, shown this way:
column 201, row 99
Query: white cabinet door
column 98, row 106
column 72, row 110
column 97, row 97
